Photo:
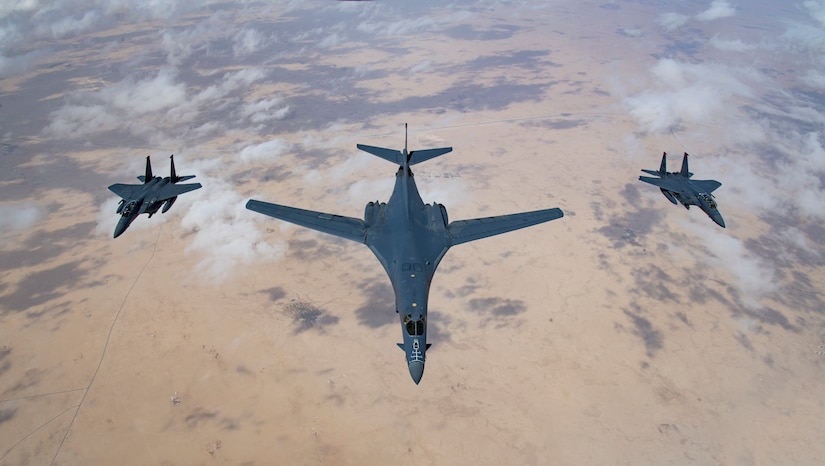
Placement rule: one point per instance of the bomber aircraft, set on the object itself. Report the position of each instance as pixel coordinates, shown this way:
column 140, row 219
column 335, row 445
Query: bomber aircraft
column 679, row 188
column 409, row 238
column 148, row 197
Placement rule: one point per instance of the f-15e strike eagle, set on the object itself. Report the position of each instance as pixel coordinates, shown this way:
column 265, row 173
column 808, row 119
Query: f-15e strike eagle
column 148, row 197
column 679, row 188
column 409, row 238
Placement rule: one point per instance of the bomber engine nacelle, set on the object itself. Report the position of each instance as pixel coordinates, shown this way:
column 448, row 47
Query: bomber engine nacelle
column 168, row 204
column 373, row 212
column 437, row 214
column 444, row 214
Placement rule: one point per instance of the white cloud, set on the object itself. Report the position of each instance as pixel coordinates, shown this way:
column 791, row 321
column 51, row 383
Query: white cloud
column 76, row 121
column 800, row 176
column 689, row 92
column 806, row 37
column 813, row 78
column 451, row 192
column 159, row 108
column 69, row 24
column 671, row 21
column 378, row 25
column 226, row 233
column 269, row 151
column 16, row 217
column 419, row 67
column 248, row 41
column 120, row 106
column 264, row 110
column 754, row 278
column 17, row 64
column 816, row 10
column 718, row 9
column 148, row 96
column 730, row 45
column 29, row 21
column 634, row 32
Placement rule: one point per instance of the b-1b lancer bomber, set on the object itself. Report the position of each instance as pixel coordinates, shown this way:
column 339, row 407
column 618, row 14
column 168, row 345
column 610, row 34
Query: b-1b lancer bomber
column 409, row 238
column 679, row 188
column 148, row 197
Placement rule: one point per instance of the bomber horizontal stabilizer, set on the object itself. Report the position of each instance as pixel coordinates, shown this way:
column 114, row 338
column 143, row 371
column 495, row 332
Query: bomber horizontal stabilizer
column 397, row 157
column 345, row 227
column 418, row 156
column 463, row 231
column 390, row 155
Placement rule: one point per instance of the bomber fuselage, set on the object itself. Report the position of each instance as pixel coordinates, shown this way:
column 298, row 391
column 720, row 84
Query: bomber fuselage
column 409, row 238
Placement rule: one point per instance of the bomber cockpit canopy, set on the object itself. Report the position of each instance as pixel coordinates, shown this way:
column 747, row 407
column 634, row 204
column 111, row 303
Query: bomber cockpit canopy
column 414, row 327
column 709, row 199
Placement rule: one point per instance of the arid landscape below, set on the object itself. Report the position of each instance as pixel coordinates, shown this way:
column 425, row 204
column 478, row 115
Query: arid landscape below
column 631, row 331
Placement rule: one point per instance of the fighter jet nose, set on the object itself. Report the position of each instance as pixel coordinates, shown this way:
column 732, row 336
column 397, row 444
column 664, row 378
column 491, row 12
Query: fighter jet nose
column 416, row 370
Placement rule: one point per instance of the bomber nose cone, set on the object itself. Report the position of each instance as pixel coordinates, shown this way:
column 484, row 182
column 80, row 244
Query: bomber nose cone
column 416, row 371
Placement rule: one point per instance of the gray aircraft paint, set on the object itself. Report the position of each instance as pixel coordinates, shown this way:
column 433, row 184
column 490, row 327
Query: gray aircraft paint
column 678, row 187
column 148, row 197
column 409, row 238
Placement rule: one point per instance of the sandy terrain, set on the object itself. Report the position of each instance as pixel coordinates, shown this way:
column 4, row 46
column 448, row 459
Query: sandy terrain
column 620, row 334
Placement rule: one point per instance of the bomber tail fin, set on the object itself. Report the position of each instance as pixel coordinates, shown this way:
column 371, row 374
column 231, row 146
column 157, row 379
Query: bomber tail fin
column 685, row 171
column 405, row 158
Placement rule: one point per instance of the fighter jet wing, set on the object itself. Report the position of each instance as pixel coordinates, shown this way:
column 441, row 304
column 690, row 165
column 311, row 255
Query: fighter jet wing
column 707, row 186
column 463, row 231
column 346, row 227
column 126, row 191
column 665, row 183
column 172, row 190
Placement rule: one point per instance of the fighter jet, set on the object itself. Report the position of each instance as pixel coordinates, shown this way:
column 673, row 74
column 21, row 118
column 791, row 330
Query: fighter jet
column 679, row 188
column 148, row 197
column 409, row 238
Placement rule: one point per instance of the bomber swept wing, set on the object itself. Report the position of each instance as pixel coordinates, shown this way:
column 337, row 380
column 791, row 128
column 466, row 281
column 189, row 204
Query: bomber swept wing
column 345, row 227
column 463, row 231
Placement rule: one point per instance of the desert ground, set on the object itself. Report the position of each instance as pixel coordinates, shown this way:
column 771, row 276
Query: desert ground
column 631, row 331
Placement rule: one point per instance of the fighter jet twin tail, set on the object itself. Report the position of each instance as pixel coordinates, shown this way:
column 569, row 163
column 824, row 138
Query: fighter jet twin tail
column 679, row 188
column 408, row 237
column 147, row 198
